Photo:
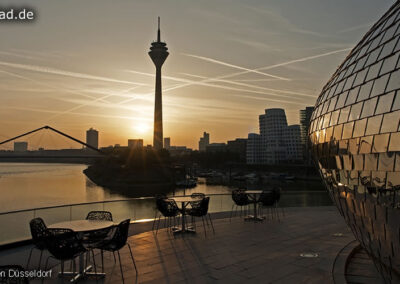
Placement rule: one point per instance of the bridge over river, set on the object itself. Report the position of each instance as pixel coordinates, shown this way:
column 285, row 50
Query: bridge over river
column 86, row 154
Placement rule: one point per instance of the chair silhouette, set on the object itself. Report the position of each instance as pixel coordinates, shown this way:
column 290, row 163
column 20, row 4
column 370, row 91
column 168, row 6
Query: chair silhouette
column 169, row 210
column 118, row 241
column 268, row 199
column 99, row 215
column 39, row 235
column 199, row 208
column 240, row 199
column 198, row 195
column 93, row 239
column 64, row 245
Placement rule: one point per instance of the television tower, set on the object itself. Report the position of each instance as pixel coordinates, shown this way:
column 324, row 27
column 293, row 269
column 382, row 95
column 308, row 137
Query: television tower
column 158, row 53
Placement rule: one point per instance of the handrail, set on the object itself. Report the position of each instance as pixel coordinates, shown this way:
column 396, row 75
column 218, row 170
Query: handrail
column 95, row 202
column 117, row 200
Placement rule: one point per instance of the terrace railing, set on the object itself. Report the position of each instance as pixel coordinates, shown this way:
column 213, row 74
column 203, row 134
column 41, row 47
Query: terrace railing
column 14, row 225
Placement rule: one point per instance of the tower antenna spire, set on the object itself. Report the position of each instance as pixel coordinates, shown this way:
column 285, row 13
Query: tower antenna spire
column 158, row 32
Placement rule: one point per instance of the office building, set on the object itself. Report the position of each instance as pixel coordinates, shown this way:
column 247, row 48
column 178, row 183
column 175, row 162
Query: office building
column 253, row 149
column 167, row 142
column 92, row 138
column 277, row 142
column 204, row 142
column 292, row 138
column 305, row 118
column 272, row 126
column 135, row 143
column 20, row 146
column 216, row 147
column 176, row 151
column 238, row 146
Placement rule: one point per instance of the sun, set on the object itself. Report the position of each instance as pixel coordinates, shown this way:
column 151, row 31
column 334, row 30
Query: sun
column 141, row 127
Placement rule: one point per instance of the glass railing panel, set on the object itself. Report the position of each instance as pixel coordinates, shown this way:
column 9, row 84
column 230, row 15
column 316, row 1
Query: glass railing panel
column 54, row 215
column 144, row 209
column 15, row 227
column 121, row 210
column 220, row 203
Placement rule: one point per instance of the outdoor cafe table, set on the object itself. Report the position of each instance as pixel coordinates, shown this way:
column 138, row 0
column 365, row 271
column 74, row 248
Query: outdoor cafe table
column 83, row 226
column 184, row 200
column 253, row 194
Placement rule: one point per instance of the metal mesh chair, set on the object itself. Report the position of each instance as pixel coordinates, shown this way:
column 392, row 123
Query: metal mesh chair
column 39, row 234
column 90, row 239
column 199, row 208
column 99, row 215
column 5, row 276
column 268, row 199
column 277, row 192
column 169, row 210
column 159, row 198
column 64, row 245
column 118, row 241
column 240, row 199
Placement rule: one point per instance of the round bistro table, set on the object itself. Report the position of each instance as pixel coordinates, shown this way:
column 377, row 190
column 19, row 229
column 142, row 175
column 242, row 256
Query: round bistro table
column 81, row 227
column 184, row 201
column 254, row 194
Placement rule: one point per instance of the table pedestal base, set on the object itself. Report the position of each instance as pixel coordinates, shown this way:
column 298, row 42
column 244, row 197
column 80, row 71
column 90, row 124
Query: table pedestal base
column 81, row 275
column 183, row 230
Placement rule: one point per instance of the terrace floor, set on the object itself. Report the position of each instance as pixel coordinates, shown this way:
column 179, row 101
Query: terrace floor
column 238, row 252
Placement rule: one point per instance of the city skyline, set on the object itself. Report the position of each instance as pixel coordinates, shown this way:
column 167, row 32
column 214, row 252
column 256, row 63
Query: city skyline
column 75, row 74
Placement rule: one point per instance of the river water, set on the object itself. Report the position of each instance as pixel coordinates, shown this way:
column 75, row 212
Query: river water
column 32, row 185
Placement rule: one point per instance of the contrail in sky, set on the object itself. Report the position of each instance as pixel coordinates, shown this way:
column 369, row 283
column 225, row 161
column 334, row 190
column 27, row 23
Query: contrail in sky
column 53, row 87
column 304, row 59
column 255, row 80
column 190, row 82
column 251, row 86
column 46, row 85
column 75, row 113
column 362, row 26
column 90, row 102
column 285, row 63
column 228, row 82
column 261, row 68
column 66, row 73
column 235, row 66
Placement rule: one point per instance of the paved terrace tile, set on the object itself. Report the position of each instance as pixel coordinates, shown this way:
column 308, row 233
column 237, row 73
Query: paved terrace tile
column 238, row 252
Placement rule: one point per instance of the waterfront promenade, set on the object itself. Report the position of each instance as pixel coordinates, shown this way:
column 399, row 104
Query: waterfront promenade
column 238, row 252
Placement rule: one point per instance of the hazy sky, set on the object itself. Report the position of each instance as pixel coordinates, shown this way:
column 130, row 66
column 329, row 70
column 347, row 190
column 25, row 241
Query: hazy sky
column 84, row 63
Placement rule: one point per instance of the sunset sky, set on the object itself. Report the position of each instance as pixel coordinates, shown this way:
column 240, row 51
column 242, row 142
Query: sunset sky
column 84, row 64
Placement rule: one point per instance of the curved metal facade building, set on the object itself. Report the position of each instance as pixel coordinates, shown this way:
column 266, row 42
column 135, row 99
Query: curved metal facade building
column 355, row 139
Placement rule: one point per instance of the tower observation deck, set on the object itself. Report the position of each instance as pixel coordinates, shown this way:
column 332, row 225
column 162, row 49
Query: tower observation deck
column 158, row 53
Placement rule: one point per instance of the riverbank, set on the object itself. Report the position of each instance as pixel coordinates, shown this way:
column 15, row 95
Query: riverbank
column 162, row 179
column 131, row 183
